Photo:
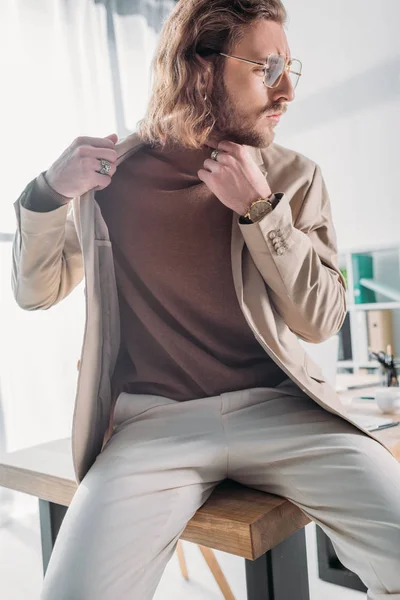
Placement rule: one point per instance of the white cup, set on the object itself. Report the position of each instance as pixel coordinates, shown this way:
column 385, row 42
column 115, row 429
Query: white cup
column 388, row 399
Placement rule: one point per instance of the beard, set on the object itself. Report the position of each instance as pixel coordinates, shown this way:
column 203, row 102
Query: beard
column 235, row 127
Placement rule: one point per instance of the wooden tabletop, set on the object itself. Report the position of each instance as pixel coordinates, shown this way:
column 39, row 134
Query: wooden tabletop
column 45, row 471
column 235, row 519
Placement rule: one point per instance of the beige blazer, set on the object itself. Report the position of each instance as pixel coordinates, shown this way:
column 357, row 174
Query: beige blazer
column 284, row 267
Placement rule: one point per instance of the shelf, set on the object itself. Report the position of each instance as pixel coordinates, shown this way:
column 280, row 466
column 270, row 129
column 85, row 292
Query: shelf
column 362, row 284
column 343, row 252
column 350, row 364
column 374, row 306
column 345, row 363
column 381, row 288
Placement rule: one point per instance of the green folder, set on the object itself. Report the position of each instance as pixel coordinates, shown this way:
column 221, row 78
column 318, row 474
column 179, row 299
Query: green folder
column 363, row 266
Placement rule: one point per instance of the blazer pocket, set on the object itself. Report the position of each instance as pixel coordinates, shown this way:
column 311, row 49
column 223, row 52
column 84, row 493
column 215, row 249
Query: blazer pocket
column 313, row 370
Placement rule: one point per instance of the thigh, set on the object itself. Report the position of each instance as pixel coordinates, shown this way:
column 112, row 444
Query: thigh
column 131, row 507
column 290, row 446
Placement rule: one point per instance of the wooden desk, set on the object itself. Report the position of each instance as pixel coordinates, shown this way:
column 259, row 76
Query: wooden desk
column 390, row 436
column 347, row 380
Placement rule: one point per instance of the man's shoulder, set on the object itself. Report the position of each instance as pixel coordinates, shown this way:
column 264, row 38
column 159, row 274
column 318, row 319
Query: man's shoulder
column 279, row 157
column 288, row 171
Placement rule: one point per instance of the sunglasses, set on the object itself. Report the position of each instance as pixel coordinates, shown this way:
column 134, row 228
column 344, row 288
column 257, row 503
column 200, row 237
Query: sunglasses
column 274, row 68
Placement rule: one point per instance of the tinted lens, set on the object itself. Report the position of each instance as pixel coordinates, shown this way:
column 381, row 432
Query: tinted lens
column 274, row 69
column 295, row 72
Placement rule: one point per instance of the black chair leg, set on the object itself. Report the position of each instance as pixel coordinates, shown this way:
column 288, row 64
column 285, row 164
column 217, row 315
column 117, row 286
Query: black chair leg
column 281, row 573
column 51, row 516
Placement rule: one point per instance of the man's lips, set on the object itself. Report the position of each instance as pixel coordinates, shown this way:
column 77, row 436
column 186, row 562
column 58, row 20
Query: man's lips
column 275, row 117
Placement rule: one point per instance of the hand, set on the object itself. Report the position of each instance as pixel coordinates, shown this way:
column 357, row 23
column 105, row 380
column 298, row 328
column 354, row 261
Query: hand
column 234, row 177
column 74, row 172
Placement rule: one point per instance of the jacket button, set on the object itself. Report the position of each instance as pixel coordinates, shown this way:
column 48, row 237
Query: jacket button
column 272, row 235
column 280, row 251
column 78, row 365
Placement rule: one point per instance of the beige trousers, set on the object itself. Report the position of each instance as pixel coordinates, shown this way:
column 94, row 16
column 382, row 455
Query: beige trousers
column 165, row 458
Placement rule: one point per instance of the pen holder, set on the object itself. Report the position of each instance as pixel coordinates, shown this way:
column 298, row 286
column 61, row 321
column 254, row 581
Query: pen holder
column 388, row 399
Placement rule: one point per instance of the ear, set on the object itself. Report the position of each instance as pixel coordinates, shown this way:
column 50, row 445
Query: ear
column 207, row 66
column 206, row 62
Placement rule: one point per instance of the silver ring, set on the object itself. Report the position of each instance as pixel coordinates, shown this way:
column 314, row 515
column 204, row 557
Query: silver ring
column 214, row 154
column 105, row 167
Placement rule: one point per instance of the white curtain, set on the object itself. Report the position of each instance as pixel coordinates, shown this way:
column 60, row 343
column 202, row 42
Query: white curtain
column 63, row 76
column 54, row 59
column 135, row 45
column 69, row 68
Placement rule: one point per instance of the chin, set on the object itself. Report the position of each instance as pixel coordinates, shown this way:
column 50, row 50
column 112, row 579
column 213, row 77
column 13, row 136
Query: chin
column 263, row 139
column 257, row 138
column 268, row 135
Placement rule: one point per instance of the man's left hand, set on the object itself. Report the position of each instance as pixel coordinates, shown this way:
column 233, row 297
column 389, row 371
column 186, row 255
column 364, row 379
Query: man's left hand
column 234, row 177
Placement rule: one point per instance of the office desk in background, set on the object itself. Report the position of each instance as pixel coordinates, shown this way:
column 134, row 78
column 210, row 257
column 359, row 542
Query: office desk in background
column 350, row 398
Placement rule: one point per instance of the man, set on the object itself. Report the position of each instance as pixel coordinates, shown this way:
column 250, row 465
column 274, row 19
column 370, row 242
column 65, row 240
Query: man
column 206, row 255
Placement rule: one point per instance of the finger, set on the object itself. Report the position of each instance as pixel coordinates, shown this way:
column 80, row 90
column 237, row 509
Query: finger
column 105, row 153
column 101, row 181
column 204, row 175
column 94, row 141
column 212, row 142
column 211, row 165
column 221, row 153
column 113, row 137
column 225, row 159
column 230, row 147
column 98, row 167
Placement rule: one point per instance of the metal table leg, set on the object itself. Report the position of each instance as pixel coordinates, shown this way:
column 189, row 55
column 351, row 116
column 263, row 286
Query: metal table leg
column 51, row 516
column 281, row 573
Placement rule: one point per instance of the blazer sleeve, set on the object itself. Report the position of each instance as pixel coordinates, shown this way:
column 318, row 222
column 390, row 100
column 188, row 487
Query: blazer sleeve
column 46, row 256
column 298, row 262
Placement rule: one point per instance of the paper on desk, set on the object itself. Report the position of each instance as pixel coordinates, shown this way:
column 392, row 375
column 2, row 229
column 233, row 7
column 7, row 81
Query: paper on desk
column 370, row 422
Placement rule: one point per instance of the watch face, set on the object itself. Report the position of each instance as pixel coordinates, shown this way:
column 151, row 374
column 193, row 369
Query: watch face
column 260, row 209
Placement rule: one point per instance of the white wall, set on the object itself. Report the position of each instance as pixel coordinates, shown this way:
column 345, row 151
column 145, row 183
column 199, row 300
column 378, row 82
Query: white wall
column 346, row 115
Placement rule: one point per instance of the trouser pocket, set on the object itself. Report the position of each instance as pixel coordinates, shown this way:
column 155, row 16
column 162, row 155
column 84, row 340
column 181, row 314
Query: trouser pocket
column 129, row 407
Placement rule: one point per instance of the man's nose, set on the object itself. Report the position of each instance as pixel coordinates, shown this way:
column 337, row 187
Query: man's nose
column 284, row 92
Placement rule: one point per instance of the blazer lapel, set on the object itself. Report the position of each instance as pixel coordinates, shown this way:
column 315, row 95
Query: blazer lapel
column 258, row 158
column 128, row 146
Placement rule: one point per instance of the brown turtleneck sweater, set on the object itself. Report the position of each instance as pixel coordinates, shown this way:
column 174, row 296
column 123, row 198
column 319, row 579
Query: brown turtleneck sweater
column 183, row 334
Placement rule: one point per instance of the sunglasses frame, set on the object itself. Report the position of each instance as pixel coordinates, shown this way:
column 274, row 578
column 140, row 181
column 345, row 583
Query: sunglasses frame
column 288, row 64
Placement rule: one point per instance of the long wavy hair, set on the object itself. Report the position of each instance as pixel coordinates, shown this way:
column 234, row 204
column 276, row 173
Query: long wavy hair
column 179, row 108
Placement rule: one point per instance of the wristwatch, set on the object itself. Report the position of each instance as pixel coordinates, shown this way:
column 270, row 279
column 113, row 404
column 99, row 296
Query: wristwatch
column 261, row 207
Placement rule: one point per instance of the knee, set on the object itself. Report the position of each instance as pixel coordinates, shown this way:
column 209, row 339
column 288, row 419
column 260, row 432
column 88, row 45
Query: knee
column 378, row 481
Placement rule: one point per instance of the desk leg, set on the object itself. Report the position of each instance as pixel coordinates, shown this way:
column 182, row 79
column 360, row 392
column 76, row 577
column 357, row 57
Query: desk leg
column 281, row 573
column 51, row 516
column 330, row 568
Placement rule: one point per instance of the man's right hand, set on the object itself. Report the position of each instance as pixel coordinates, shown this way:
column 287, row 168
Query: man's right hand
column 75, row 172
